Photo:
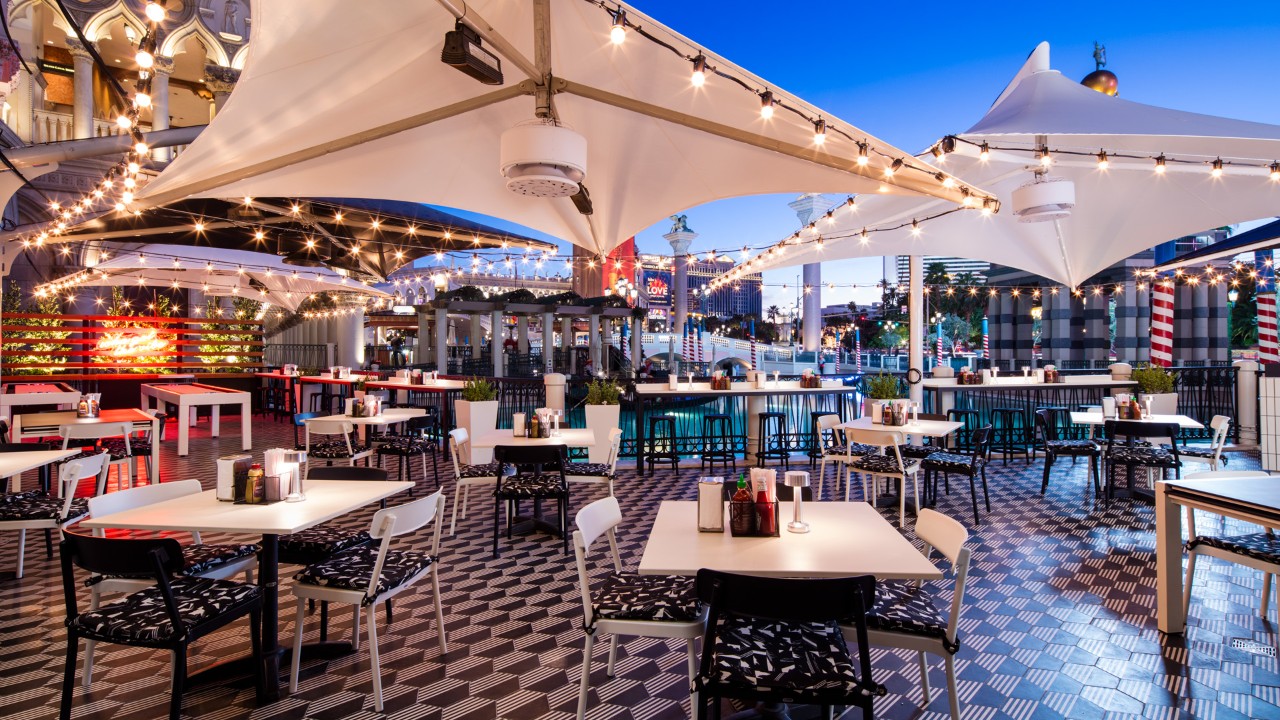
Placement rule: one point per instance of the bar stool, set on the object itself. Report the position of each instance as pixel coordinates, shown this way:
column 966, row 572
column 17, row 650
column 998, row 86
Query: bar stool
column 779, row 451
column 972, row 420
column 1010, row 425
column 667, row 441
column 717, row 442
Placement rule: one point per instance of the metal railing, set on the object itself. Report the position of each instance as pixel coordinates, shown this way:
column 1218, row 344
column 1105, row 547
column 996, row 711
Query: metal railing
column 314, row 355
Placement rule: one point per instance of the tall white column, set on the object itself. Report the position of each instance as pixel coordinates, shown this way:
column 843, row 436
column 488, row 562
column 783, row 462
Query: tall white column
column 477, row 335
column 637, row 342
column 160, row 101
column 680, row 238
column 82, row 90
column 442, row 341
column 495, row 345
column 548, row 342
column 522, row 334
column 808, row 208
column 593, row 341
column 915, row 324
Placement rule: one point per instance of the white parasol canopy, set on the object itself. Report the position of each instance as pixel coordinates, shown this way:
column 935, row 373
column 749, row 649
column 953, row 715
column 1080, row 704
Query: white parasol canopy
column 1122, row 210
column 224, row 273
column 336, row 102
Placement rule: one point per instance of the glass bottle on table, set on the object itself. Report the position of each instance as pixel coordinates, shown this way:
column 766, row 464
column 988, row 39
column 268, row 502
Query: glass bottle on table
column 766, row 520
column 741, row 510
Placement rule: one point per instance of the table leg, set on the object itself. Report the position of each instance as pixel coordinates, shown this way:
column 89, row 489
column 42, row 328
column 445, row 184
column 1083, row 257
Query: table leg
column 269, row 581
column 246, row 425
column 1169, row 611
column 215, row 420
column 184, row 431
column 156, row 430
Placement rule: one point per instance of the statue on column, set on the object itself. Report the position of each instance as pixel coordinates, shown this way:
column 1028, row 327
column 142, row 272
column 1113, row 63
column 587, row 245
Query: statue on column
column 680, row 223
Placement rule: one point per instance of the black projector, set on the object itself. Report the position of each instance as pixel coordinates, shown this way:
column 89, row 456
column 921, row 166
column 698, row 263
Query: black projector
column 462, row 50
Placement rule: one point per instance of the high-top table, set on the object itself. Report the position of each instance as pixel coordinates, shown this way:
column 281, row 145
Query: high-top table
column 189, row 397
column 447, row 388
column 37, row 393
column 37, row 425
column 290, row 382
column 1015, row 390
column 326, row 500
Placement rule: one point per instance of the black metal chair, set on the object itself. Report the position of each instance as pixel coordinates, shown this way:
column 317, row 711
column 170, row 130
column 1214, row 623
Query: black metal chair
column 972, row 466
column 1049, row 431
column 170, row 615
column 778, row 449
column 1132, row 455
column 972, row 420
column 779, row 640
column 414, row 441
column 539, row 475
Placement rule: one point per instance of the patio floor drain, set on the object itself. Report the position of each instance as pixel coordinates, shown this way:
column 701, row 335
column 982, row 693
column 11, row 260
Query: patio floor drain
column 1250, row 646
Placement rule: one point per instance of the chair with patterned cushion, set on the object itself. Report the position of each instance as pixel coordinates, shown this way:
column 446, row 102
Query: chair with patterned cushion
column 138, row 447
column 1130, row 454
column 299, row 424
column 199, row 560
column 371, row 574
column 174, row 611
column 531, row 472
column 904, row 615
column 414, row 441
column 829, row 443
column 597, row 473
column 928, row 447
column 778, row 640
column 91, row 438
column 971, row 465
column 1212, row 455
column 653, row 606
column 844, row 453
column 466, row 476
column 1048, row 430
column 37, row 510
column 887, row 462
column 330, row 440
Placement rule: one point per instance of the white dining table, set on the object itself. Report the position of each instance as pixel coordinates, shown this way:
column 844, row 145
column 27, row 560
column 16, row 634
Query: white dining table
column 13, row 464
column 570, row 437
column 46, row 424
column 389, row 416
column 1096, row 418
column 203, row 512
column 918, row 428
column 844, row 539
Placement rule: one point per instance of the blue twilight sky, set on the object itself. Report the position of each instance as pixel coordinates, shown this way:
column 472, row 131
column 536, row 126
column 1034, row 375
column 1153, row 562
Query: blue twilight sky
column 911, row 72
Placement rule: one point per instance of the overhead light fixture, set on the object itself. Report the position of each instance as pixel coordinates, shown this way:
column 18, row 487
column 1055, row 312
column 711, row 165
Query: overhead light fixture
column 462, row 51
column 155, row 12
column 1275, row 171
column 618, row 33
column 1103, row 161
column 819, row 132
column 893, row 168
column 699, row 76
column 766, row 105
column 1160, row 165
column 984, row 153
column 863, row 157
column 1046, row 159
column 1216, row 166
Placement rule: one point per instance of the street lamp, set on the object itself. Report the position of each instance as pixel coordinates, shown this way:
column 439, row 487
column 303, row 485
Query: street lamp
column 1233, row 295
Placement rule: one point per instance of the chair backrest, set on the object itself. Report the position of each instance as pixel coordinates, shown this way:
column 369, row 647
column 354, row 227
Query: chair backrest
column 549, row 457
column 890, row 439
column 73, row 471
column 330, row 427
column 135, row 497
column 95, row 431
column 1047, row 424
column 1220, row 424
column 149, row 557
column 601, row 517
column 402, row 520
column 346, row 472
column 615, row 448
column 300, row 421
column 458, row 449
column 1133, row 430
column 825, row 423
column 947, row 536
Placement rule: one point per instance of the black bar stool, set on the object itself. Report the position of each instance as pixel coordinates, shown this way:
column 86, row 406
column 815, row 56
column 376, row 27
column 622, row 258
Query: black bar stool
column 1010, row 425
column 779, row 451
column 717, row 442
column 972, row 420
column 666, row 441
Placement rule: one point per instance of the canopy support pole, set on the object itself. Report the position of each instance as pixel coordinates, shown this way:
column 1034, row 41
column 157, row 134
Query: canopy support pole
column 915, row 325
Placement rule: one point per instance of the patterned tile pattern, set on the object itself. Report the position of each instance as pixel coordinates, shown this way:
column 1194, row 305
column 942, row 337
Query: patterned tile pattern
column 1060, row 624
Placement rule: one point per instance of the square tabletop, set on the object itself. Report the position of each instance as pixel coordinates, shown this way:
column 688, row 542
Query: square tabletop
column 389, row 416
column 16, row 463
column 1096, row 418
column 30, row 421
column 440, row 385
column 203, row 512
column 845, row 538
column 926, row 428
column 572, row 437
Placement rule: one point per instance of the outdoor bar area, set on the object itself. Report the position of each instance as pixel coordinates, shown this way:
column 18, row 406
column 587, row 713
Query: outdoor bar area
column 359, row 361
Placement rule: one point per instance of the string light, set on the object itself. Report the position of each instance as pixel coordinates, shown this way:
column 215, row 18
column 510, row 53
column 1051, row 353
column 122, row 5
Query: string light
column 1103, row 162
column 618, row 33
column 984, row 154
column 766, row 105
column 699, row 76
column 1216, row 168
column 820, row 132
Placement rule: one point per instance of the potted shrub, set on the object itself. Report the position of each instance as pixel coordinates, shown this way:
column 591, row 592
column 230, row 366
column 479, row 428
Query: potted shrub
column 477, row 412
column 1156, row 383
column 879, row 388
column 603, row 415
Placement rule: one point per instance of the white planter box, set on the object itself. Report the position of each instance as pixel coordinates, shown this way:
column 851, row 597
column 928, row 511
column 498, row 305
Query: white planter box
column 600, row 420
column 1161, row 403
column 476, row 418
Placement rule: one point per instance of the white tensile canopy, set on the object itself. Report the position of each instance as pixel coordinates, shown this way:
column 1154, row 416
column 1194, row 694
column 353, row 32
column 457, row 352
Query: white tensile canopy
column 336, row 102
column 224, row 273
column 1119, row 211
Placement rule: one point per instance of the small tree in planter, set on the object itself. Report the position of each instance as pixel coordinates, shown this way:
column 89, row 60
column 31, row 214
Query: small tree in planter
column 878, row 388
column 1156, row 383
column 477, row 412
column 603, row 414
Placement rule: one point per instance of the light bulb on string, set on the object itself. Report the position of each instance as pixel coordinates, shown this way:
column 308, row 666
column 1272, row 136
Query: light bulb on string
column 699, row 76
column 124, row 122
column 1046, row 159
column 984, row 153
column 820, row 132
column 893, row 168
column 1216, row 168
column 766, row 105
column 154, row 12
column 1275, row 172
column 618, row 33
column 1160, row 164
column 144, row 59
column 1103, row 161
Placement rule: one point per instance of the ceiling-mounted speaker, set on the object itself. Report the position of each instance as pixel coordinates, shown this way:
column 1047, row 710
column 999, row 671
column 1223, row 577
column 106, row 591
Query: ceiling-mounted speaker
column 543, row 159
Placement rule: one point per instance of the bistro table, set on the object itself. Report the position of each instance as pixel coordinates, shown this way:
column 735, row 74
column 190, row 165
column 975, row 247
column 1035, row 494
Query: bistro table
column 343, row 384
column 1095, row 419
column 845, row 538
column 756, row 403
column 1255, row 500
column 189, row 397
column 13, row 464
column 38, row 425
column 915, row 429
column 388, row 416
column 37, row 393
column 326, row 500
column 291, row 388
column 448, row 390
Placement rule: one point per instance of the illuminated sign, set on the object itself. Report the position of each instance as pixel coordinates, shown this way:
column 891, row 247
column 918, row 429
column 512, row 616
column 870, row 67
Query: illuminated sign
column 123, row 345
column 404, row 310
column 657, row 287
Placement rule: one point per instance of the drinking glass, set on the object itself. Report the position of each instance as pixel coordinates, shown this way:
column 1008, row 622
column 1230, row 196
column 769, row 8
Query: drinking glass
column 1026, row 371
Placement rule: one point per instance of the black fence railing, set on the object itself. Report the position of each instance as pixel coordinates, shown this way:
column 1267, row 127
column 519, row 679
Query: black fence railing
column 304, row 355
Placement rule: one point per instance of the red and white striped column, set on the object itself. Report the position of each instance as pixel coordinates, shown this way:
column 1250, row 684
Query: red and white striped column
column 1268, row 343
column 1162, row 323
column 755, row 357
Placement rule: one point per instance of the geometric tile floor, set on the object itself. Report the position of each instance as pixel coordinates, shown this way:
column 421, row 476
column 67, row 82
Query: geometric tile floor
column 1059, row 624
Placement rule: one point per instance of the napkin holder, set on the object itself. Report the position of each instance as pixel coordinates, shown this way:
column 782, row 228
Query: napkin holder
column 710, row 504
column 232, row 471
column 673, row 381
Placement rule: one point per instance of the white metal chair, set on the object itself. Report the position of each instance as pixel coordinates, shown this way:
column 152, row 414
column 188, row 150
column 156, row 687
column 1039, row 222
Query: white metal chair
column 98, row 433
column 369, row 575
column 597, row 473
column 887, row 463
column 830, row 451
column 844, row 454
column 339, row 447
column 1211, row 455
column 904, row 615
column 655, row 606
column 35, row 510
column 217, row 562
column 466, row 476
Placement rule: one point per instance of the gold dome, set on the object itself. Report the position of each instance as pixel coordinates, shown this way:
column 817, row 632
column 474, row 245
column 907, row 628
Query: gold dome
column 1104, row 81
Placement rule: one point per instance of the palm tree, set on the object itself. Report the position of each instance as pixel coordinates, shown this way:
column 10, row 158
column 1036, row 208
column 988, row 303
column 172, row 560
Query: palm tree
column 772, row 313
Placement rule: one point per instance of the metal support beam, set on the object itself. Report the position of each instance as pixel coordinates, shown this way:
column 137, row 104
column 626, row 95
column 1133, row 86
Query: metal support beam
column 915, row 324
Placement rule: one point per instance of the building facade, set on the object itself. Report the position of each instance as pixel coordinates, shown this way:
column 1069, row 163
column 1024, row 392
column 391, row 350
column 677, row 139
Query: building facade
column 955, row 266
column 654, row 278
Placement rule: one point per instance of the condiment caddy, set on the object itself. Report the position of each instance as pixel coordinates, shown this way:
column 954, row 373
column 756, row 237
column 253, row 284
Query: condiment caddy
column 753, row 510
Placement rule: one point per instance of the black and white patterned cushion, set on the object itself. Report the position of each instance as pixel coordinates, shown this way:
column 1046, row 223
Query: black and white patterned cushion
column 883, row 464
column 860, row 449
column 1145, row 456
column 199, row 559
column 1259, row 546
column 918, row 452
column 761, row 655
column 352, row 569
column 141, row 617
column 36, row 505
column 399, row 445
column 588, row 468
column 1206, row 453
column 530, row 485
column 1072, row 447
column 335, row 450
column 904, row 608
column 322, row 540
column 115, row 446
column 951, row 463
column 485, row 470
column 646, row 597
